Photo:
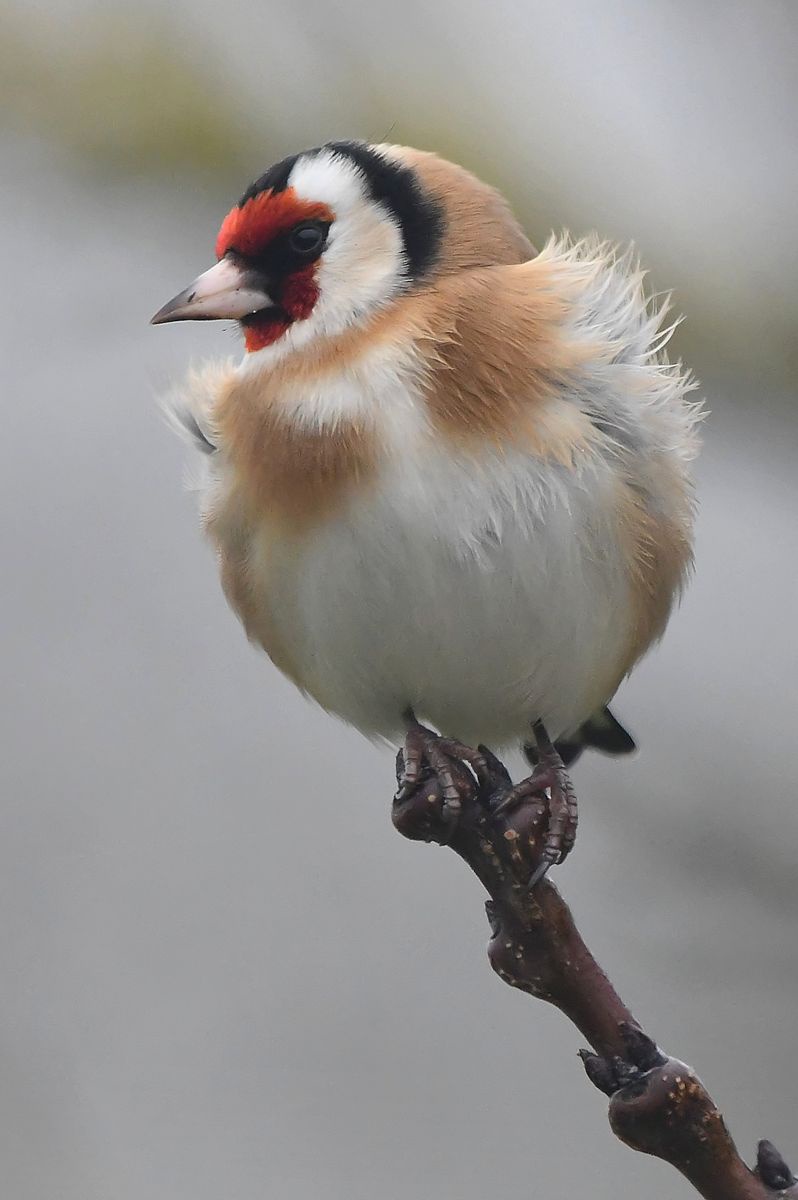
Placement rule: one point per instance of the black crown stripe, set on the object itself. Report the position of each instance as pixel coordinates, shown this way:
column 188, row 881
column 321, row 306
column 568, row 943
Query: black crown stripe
column 419, row 216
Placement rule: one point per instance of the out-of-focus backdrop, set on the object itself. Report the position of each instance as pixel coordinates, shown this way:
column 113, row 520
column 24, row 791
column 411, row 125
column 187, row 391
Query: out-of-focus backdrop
column 222, row 974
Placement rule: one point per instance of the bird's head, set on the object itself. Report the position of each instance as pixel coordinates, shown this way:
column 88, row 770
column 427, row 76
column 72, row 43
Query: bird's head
column 327, row 237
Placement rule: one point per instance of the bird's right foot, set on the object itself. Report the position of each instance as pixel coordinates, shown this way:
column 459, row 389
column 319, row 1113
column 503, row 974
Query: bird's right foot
column 428, row 752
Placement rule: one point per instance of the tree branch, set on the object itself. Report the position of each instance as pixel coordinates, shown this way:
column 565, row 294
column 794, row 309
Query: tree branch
column 658, row 1105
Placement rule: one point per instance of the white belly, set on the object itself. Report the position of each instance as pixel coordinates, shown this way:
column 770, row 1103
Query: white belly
column 484, row 596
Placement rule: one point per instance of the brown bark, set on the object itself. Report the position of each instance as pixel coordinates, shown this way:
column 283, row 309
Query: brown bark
column 658, row 1105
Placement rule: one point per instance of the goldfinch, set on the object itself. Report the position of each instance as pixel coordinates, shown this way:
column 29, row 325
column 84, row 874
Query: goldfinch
column 449, row 479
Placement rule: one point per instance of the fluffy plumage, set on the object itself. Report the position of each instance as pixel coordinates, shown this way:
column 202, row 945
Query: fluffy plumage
column 464, row 492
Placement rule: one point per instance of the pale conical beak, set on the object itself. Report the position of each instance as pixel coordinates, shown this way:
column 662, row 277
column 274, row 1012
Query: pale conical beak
column 226, row 291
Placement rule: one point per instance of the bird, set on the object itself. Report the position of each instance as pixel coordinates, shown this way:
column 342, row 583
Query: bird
column 449, row 479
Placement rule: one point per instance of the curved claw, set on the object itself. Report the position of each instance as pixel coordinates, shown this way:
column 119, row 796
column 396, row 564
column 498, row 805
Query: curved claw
column 498, row 775
column 541, row 871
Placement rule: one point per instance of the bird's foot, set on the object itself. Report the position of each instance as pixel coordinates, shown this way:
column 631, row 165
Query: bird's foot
column 462, row 773
column 427, row 754
column 551, row 783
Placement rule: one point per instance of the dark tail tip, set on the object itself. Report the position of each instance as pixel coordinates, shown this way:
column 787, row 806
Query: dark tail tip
column 601, row 732
column 604, row 732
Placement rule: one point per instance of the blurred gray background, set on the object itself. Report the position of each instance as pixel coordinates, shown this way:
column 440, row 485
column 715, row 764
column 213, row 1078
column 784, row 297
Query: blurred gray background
column 222, row 974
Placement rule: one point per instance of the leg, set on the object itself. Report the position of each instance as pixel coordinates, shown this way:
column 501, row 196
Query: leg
column 549, row 775
column 423, row 748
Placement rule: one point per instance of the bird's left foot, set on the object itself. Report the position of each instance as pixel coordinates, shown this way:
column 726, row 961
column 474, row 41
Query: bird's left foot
column 549, row 776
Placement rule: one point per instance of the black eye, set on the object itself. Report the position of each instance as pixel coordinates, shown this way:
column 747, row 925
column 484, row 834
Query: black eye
column 307, row 240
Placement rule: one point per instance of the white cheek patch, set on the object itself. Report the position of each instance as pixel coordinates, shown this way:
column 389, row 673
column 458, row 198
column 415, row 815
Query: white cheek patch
column 364, row 263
